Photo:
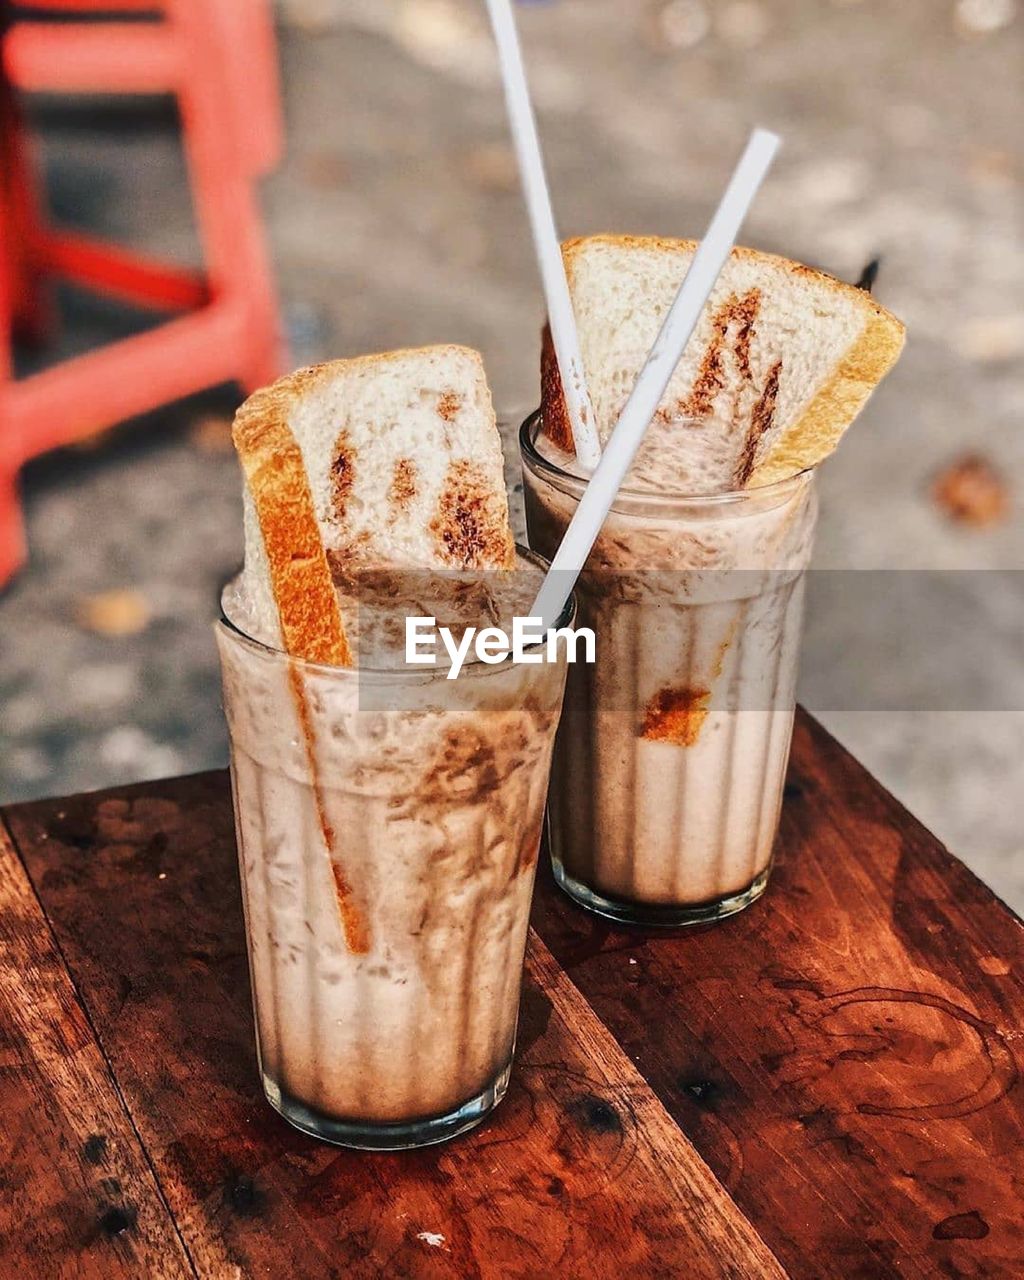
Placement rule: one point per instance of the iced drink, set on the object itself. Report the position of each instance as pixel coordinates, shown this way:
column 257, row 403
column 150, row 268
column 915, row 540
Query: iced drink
column 670, row 760
column 388, row 825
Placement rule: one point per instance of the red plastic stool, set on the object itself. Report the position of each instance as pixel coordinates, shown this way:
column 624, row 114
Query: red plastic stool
column 218, row 58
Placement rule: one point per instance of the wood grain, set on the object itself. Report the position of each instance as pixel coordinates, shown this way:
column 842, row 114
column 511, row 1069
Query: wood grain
column 581, row 1172
column 846, row 1058
column 619, row 1103
column 847, row 1054
column 77, row 1196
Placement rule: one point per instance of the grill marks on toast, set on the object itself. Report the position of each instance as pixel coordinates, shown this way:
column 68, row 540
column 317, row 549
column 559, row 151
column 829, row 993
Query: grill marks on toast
column 448, row 406
column 416, row 475
column 342, row 473
column 736, row 315
column 762, row 419
column 470, row 529
column 404, row 484
column 734, row 328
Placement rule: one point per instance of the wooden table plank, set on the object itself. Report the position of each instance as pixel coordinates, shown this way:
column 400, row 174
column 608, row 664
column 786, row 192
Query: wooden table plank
column 724, row 1241
column 77, row 1196
column 581, row 1171
column 847, row 1054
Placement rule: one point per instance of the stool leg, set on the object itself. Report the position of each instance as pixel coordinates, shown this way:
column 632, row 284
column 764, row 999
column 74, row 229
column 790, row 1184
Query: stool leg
column 12, row 531
column 267, row 359
column 230, row 224
column 31, row 303
column 12, row 534
column 254, row 80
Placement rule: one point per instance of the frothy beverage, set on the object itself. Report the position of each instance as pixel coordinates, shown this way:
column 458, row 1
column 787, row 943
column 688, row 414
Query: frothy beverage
column 388, row 824
column 670, row 761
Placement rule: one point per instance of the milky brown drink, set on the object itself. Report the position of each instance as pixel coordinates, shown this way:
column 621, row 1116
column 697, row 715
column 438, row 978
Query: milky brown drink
column 388, row 823
column 669, row 766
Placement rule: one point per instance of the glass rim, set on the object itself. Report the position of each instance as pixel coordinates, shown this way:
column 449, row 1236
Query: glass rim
column 575, row 485
column 424, row 675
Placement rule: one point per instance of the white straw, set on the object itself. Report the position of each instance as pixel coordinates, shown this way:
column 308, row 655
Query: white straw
column 621, row 449
column 545, row 236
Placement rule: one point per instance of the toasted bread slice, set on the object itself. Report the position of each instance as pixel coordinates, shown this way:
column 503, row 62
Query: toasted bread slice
column 780, row 364
column 377, row 462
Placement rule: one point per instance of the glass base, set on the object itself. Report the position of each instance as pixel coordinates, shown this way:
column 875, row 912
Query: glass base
column 402, row 1136
column 659, row 915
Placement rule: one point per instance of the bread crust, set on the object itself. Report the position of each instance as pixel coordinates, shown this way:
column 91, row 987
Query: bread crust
column 817, row 431
column 300, row 577
column 821, row 426
column 555, row 413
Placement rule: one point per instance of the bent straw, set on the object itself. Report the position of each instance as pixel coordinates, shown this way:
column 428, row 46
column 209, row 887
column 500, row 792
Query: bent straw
column 621, row 449
column 545, row 236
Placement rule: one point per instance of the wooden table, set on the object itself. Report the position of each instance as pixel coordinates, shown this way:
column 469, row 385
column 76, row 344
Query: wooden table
column 826, row 1085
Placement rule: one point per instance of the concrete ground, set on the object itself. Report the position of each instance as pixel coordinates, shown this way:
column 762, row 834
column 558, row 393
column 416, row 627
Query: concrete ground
column 396, row 219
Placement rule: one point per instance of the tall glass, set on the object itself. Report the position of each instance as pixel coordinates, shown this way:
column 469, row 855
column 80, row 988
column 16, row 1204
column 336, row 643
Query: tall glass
column 669, row 766
column 388, row 824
